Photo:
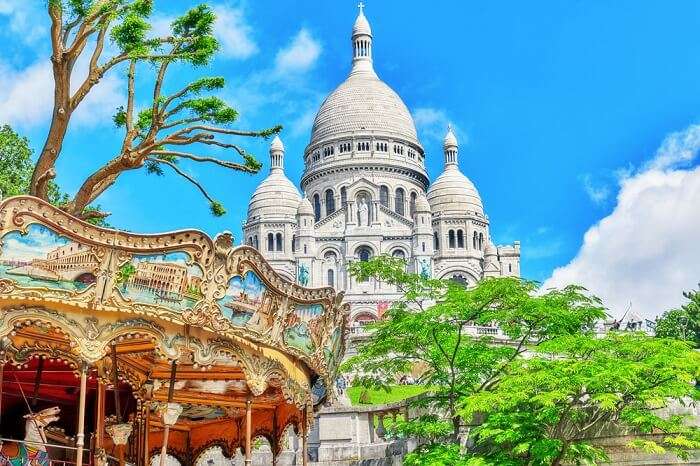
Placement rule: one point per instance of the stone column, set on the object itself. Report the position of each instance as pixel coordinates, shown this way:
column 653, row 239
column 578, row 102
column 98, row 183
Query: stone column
column 381, row 431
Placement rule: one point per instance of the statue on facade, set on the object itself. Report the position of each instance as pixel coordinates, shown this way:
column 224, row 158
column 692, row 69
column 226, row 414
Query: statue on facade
column 425, row 269
column 303, row 275
column 363, row 212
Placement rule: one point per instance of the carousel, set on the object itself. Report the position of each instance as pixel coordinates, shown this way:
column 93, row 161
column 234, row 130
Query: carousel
column 121, row 348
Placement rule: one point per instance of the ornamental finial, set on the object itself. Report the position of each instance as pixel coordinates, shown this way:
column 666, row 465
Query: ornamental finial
column 361, row 6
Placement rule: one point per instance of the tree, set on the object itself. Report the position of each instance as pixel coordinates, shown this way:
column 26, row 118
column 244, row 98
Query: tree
column 549, row 407
column 185, row 117
column 682, row 323
column 428, row 327
column 535, row 398
column 125, row 273
column 16, row 166
column 15, row 163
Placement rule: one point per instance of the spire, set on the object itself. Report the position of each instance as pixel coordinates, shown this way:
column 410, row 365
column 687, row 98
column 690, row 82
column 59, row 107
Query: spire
column 276, row 154
column 450, row 147
column 361, row 43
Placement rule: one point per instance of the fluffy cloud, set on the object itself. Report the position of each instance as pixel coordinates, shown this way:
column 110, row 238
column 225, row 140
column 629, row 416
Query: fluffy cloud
column 646, row 251
column 26, row 95
column 234, row 33
column 299, row 56
column 22, row 19
column 432, row 123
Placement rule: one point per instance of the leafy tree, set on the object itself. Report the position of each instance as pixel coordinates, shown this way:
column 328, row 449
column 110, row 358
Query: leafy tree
column 536, row 409
column 15, row 163
column 428, row 327
column 547, row 409
column 155, row 134
column 683, row 323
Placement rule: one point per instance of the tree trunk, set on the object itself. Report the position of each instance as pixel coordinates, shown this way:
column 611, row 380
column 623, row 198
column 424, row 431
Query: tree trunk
column 44, row 169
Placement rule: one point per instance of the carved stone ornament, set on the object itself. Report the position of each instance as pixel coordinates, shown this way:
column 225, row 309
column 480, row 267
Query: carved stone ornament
column 119, row 433
column 170, row 412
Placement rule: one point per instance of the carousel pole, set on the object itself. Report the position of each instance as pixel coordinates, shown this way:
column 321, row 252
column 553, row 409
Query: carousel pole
column 2, row 380
column 304, row 439
column 166, row 432
column 248, row 432
column 146, row 459
column 100, row 417
column 117, row 408
column 80, row 436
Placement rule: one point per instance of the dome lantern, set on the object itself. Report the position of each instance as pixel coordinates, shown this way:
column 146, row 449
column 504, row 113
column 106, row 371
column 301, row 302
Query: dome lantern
column 361, row 43
column 276, row 154
column 450, row 147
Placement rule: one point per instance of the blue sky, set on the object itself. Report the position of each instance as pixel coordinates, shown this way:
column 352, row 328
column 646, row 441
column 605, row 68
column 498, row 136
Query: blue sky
column 559, row 107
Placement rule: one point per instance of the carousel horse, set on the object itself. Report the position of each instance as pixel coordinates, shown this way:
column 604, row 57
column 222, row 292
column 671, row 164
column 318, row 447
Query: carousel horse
column 31, row 452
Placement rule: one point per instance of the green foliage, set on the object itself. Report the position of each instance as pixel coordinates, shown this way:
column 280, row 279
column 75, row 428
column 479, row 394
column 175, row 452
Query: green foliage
column 15, row 163
column 394, row 393
column 683, row 323
column 217, row 209
column 576, row 386
column 539, row 409
column 125, row 273
column 211, row 109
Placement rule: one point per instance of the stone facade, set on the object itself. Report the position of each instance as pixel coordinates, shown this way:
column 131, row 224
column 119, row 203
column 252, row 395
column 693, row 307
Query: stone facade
column 366, row 192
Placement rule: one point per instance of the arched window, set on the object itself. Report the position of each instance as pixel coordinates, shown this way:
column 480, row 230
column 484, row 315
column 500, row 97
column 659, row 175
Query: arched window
column 330, row 202
column 255, row 242
column 451, row 236
column 280, row 244
column 317, row 207
column 475, row 239
column 399, row 254
column 460, row 280
column 294, row 243
column 400, row 200
column 436, row 241
column 460, row 239
column 481, row 241
column 250, row 241
column 270, row 242
column 412, row 204
column 384, row 196
column 330, row 256
column 331, row 277
column 343, row 197
column 364, row 253
column 510, row 268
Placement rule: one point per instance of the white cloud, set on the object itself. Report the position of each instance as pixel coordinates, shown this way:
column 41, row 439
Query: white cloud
column 432, row 123
column 646, row 251
column 24, row 20
column 597, row 194
column 300, row 55
column 26, row 95
column 233, row 32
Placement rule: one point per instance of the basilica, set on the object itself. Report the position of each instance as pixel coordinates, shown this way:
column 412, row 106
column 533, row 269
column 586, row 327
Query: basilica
column 366, row 192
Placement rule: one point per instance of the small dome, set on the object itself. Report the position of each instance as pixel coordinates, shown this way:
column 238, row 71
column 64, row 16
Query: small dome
column 361, row 25
column 450, row 139
column 305, row 207
column 277, row 144
column 422, row 204
column 453, row 193
column 275, row 198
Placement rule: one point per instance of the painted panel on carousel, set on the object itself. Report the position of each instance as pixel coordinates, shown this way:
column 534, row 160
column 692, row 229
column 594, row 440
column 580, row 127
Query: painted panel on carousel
column 302, row 325
column 243, row 303
column 169, row 280
column 43, row 258
column 333, row 350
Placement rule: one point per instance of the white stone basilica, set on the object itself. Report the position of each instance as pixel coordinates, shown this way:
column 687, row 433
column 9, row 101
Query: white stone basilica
column 366, row 192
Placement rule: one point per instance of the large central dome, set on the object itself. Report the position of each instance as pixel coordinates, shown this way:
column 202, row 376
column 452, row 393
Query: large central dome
column 363, row 104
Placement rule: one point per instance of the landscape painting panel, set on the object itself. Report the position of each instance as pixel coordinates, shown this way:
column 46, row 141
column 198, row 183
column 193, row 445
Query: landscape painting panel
column 299, row 326
column 43, row 258
column 169, row 280
column 244, row 296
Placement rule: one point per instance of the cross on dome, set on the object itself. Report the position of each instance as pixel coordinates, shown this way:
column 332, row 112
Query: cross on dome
column 361, row 6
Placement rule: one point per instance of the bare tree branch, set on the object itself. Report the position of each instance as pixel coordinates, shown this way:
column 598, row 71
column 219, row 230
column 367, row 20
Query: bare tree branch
column 197, row 158
column 186, row 176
